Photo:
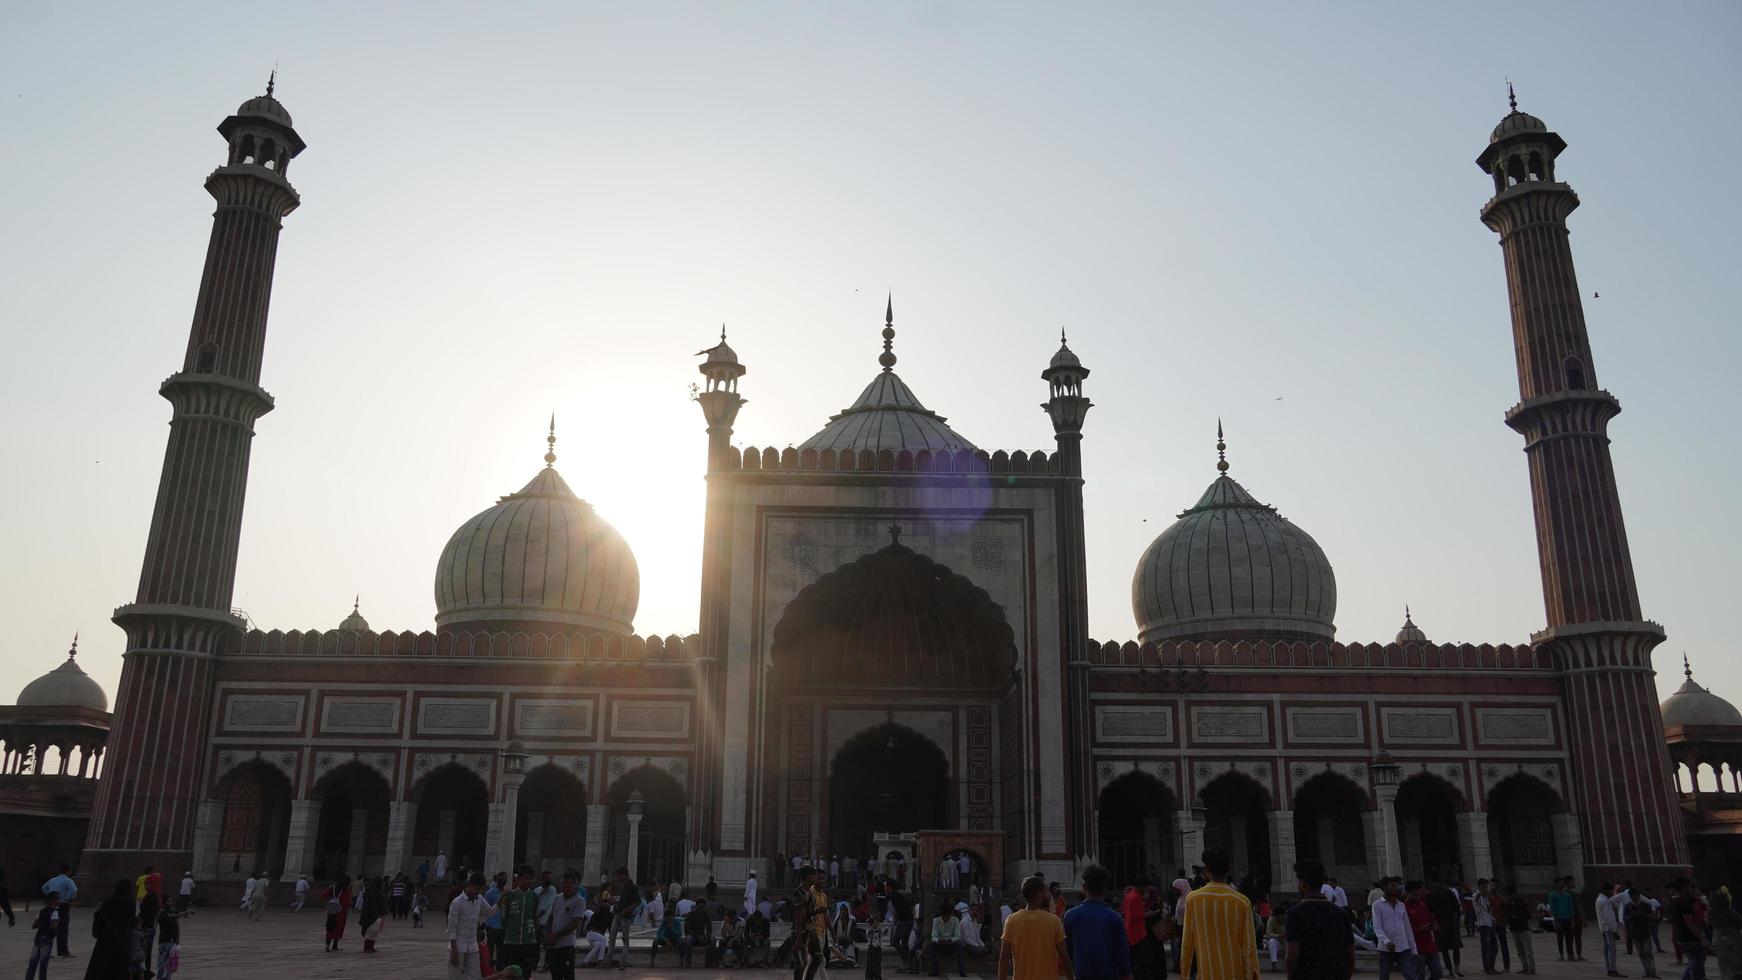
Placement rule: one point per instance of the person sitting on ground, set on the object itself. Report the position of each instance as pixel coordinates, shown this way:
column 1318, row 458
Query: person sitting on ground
column 732, row 938
column 946, row 937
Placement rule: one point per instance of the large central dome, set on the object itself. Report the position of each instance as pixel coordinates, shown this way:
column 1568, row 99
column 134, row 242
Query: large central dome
column 1233, row 568
column 539, row 559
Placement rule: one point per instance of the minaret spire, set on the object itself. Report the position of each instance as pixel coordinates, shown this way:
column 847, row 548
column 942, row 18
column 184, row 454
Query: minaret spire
column 75, row 648
column 1511, row 96
column 271, row 81
column 550, row 444
column 887, row 358
column 1221, row 450
column 1687, row 668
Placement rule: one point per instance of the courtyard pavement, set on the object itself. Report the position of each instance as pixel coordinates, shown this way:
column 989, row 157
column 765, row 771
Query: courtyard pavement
column 221, row 944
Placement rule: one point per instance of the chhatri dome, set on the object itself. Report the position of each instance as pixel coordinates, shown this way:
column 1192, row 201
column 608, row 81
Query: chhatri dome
column 1232, row 568
column 66, row 686
column 1692, row 704
column 1410, row 633
column 887, row 414
column 540, row 559
column 355, row 622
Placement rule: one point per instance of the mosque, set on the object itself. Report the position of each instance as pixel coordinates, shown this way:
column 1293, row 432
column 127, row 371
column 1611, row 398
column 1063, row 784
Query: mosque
column 892, row 641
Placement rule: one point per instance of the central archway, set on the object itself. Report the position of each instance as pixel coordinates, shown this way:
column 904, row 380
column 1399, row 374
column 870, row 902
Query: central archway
column 551, row 820
column 887, row 779
column 251, row 838
column 1427, row 828
column 1135, row 820
column 453, row 815
column 1236, row 818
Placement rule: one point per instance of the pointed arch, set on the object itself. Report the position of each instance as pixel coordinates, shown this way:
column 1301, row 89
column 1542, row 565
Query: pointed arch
column 1134, row 818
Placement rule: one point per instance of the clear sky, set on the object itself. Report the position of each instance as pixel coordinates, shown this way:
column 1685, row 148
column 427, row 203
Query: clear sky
column 1265, row 213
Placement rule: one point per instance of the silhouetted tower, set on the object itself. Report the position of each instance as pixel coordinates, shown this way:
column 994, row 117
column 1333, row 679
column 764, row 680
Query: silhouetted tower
column 1067, row 408
column 720, row 402
column 1623, row 787
column 182, row 616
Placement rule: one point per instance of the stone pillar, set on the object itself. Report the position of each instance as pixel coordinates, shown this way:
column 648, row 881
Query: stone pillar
column 208, row 821
column 401, row 821
column 356, row 852
column 1282, row 851
column 299, row 846
column 1391, row 862
column 1569, row 852
column 510, row 819
column 1473, row 845
column 1373, row 833
column 493, row 837
column 598, row 820
column 535, row 840
column 633, row 862
column 1191, row 839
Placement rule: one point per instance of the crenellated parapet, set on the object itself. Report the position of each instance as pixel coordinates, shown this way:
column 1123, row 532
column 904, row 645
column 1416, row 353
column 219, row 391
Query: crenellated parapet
column 887, row 461
column 589, row 647
column 1301, row 654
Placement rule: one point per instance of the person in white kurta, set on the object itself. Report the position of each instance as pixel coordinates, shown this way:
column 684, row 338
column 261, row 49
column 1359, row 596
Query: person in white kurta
column 441, row 866
column 248, row 892
column 750, row 894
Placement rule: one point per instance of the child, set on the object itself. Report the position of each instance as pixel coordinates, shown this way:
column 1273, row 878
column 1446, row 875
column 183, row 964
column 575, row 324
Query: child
column 42, row 945
column 417, row 904
column 168, row 944
column 136, row 942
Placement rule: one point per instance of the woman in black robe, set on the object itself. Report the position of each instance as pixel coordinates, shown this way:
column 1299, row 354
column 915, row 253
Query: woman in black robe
column 111, row 927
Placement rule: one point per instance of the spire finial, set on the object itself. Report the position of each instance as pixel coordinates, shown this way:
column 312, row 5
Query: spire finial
column 271, row 81
column 357, row 602
column 895, row 534
column 1687, row 670
column 887, row 358
column 74, row 652
column 1511, row 96
column 722, row 333
column 1406, row 616
column 550, row 443
column 1061, row 336
column 1221, row 450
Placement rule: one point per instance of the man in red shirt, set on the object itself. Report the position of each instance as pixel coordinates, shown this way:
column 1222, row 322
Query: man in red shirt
column 1133, row 911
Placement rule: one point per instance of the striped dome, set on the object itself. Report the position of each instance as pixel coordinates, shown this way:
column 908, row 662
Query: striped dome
column 539, row 559
column 887, row 415
column 1231, row 567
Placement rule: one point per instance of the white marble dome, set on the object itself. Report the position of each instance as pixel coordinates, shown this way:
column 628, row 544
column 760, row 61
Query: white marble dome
column 1692, row 704
column 1517, row 123
column 66, row 686
column 1232, row 567
column 539, row 559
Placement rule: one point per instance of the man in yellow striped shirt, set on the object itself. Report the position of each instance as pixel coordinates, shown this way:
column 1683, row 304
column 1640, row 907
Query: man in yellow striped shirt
column 1219, row 938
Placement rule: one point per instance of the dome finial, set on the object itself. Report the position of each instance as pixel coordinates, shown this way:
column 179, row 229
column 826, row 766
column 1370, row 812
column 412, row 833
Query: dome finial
column 1687, row 669
column 722, row 333
column 1511, row 96
column 1221, row 450
column 887, row 358
column 550, row 443
column 74, row 652
column 1408, row 620
column 271, row 81
column 357, row 602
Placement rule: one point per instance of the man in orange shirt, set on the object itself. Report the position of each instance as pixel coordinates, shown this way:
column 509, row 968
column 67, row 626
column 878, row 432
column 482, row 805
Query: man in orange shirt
column 1219, row 938
column 1034, row 938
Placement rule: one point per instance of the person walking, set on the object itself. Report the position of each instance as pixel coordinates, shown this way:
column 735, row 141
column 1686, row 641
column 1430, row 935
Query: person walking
column 520, row 924
column 750, row 887
column 1560, row 908
column 1095, row 934
column 1446, row 905
column 1609, row 926
column 1689, row 938
column 62, row 885
column 1033, row 945
column 465, row 915
column 1320, row 943
column 257, row 907
column 1726, row 926
column 1518, row 924
column 810, row 924
column 6, row 901
column 441, row 866
column 372, row 916
column 1637, row 920
column 42, row 941
column 168, row 943
column 1425, row 928
column 338, row 897
column 1485, row 929
column 1217, row 922
column 1392, row 933
column 112, row 928
column 1150, row 958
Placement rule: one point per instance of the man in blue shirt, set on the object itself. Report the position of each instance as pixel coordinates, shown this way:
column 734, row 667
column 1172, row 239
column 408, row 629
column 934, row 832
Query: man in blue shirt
column 493, row 925
column 62, row 885
column 1095, row 933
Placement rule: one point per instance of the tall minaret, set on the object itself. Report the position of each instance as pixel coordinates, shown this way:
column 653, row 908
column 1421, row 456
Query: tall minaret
column 1623, row 792
column 182, row 617
column 720, row 403
column 1068, row 407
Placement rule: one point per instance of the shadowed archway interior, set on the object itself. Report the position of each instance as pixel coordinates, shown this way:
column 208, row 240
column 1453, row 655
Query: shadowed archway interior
column 887, row 779
column 1135, row 820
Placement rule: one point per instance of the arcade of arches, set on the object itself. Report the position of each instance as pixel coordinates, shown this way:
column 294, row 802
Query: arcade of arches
column 1524, row 833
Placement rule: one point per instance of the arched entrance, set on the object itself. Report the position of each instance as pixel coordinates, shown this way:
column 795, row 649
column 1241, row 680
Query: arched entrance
column 453, row 817
column 256, row 820
column 1134, row 817
column 895, row 628
column 1237, row 818
column 887, row 779
column 659, row 850
column 351, row 836
column 551, row 820
column 1328, row 811
column 1427, row 828
column 1521, row 832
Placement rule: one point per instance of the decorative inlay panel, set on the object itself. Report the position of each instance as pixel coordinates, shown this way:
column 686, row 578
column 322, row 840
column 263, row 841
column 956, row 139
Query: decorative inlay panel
column 549, row 716
column 1420, row 726
column 979, row 729
column 1550, row 773
column 1515, row 726
column 376, row 716
column 456, row 716
column 1230, row 724
column 659, row 719
column 1133, row 723
column 1165, row 772
column 1330, row 726
column 1301, row 773
column 263, row 712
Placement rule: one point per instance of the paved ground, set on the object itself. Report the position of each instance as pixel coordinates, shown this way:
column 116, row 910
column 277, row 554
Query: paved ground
column 220, row 944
